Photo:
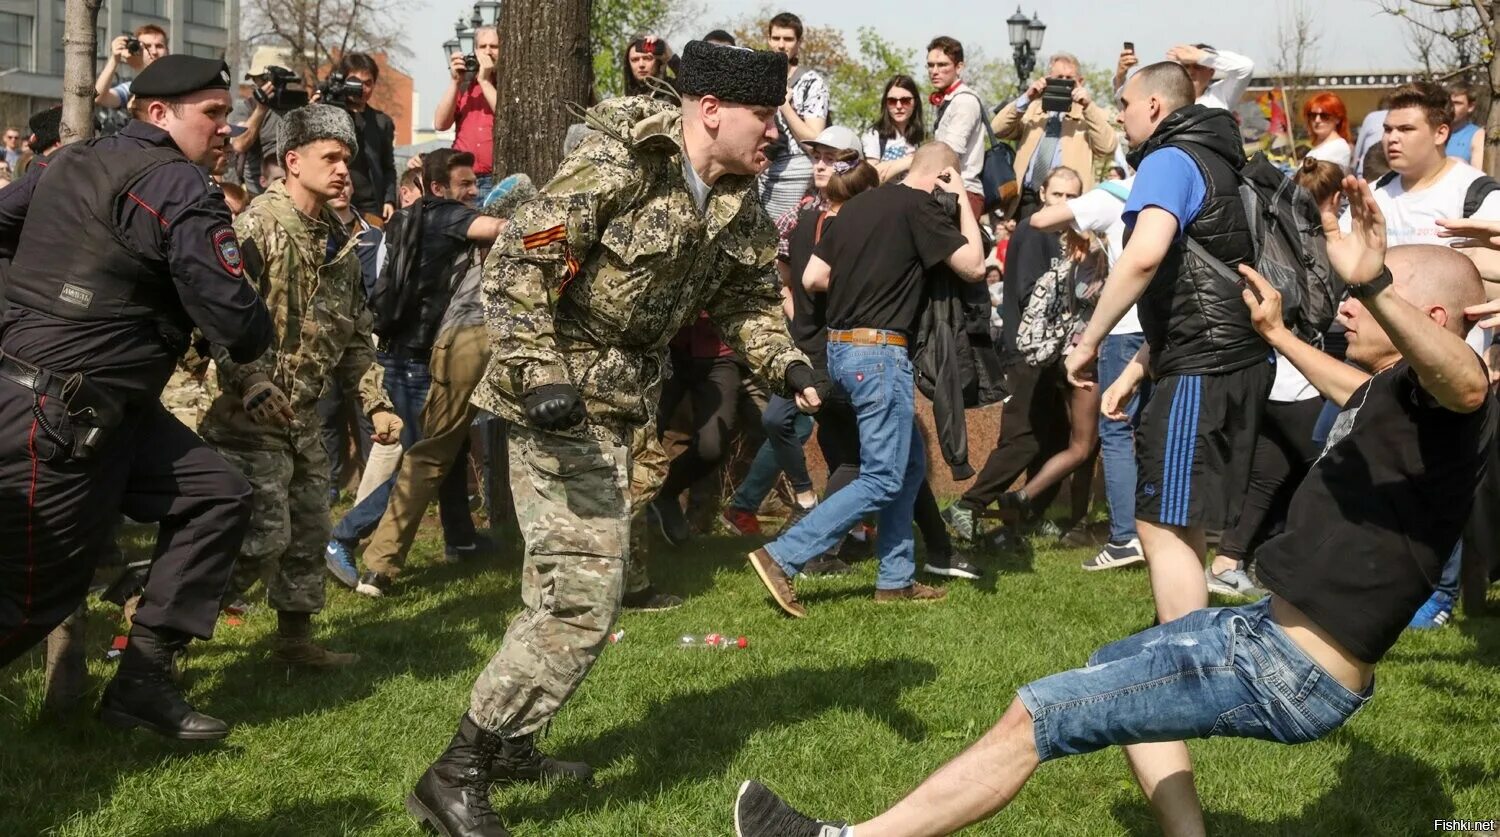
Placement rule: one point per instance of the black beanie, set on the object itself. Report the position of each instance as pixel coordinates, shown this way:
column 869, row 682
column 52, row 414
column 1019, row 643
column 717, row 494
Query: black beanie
column 732, row 74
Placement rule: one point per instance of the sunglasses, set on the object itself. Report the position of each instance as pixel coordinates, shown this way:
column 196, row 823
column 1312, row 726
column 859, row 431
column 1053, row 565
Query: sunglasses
column 900, row 101
column 1317, row 115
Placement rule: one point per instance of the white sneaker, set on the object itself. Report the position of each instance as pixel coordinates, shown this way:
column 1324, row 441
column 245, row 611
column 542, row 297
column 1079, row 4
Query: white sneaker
column 1235, row 582
column 1115, row 555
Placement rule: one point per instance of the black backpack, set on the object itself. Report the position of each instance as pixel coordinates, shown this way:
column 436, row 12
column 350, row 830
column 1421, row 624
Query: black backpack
column 1290, row 248
column 1482, row 187
column 395, row 297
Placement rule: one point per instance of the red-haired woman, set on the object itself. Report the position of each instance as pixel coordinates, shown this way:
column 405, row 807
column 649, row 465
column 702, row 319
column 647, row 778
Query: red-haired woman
column 1327, row 123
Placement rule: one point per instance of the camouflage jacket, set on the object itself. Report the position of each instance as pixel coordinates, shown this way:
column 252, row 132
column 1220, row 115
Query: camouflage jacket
column 593, row 277
column 321, row 320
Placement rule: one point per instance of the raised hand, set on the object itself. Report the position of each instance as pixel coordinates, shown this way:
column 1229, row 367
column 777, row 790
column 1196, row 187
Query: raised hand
column 1357, row 256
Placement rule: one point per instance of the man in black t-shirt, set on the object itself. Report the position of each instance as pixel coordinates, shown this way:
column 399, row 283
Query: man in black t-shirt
column 873, row 265
column 450, row 228
column 1366, row 536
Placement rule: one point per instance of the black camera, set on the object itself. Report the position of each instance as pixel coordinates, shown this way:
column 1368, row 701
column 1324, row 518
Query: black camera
column 471, row 65
column 287, row 90
column 132, row 43
column 1057, row 96
column 337, row 90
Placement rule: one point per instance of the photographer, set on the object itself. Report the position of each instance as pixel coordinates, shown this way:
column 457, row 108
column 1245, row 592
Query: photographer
column 468, row 104
column 373, row 168
column 258, row 118
column 137, row 50
column 1055, row 123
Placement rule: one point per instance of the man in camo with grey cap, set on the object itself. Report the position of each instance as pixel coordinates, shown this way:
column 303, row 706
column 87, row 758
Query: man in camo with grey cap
column 265, row 419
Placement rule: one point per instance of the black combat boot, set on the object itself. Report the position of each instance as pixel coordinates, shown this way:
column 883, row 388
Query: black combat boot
column 520, row 761
column 143, row 693
column 453, row 797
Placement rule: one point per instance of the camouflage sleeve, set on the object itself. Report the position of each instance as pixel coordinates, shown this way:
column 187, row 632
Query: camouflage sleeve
column 251, row 229
column 747, row 311
column 541, row 249
column 358, row 370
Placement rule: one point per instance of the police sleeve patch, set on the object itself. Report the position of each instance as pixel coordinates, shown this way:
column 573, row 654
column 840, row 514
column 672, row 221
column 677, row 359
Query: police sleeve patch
column 227, row 248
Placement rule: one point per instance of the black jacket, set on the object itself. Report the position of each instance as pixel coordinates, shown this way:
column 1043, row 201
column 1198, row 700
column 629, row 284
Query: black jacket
column 1194, row 318
column 373, row 168
column 955, row 361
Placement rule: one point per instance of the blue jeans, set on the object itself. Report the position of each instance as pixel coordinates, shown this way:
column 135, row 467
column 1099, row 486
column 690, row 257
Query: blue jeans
column 407, row 381
column 1218, row 671
column 1448, row 580
column 892, row 463
column 1117, row 438
column 787, row 430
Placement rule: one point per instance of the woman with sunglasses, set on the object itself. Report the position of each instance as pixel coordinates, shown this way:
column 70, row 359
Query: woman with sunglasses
column 889, row 144
column 1328, row 124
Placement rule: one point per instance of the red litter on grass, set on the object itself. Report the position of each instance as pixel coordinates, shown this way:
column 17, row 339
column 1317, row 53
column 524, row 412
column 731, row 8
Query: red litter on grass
column 616, row 636
column 718, row 642
column 116, row 647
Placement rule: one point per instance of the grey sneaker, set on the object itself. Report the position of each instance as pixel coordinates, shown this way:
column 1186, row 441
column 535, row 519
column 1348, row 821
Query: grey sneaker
column 1116, row 555
column 1233, row 582
column 960, row 520
column 760, row 813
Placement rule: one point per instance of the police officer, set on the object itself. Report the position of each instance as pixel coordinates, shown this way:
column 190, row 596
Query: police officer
column 128, row 249
column 649, row 221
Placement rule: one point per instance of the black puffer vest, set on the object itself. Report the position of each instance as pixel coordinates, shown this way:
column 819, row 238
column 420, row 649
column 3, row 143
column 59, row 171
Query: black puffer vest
column 1194, row 318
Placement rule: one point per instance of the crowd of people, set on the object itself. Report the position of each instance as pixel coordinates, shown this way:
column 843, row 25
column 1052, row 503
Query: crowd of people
column 717, row 272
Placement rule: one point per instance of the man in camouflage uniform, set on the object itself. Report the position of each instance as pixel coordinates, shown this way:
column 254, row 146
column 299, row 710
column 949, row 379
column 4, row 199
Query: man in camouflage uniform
column 650, row 220
column 266, row 420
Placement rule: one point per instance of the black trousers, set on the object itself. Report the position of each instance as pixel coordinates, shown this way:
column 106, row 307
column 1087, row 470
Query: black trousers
column 1284, row 451
column 1033, row 427
column 713, row 386
column 838, row 439
column 333, row 411
column 56, row 516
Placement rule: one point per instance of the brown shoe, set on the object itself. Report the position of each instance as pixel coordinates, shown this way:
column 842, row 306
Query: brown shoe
column 915, row 592
column 776, row 581
column 300, row 651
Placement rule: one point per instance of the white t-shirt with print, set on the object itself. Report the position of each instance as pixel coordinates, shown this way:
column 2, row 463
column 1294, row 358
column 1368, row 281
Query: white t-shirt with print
column 1411, row 217
column 1097, row 211
column 896, row 147
column 809, row 98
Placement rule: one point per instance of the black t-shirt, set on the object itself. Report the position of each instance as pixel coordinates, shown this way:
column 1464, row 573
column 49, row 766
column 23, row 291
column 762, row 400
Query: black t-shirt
column 1029, row 255
column 445, row 235
column 809, row 326
column 880, row 251
column 1371, row 525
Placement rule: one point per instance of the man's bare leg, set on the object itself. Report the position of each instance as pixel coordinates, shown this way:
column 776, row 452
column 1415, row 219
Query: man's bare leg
column 1174, row 557
column 1165, row 773
column 978, row 782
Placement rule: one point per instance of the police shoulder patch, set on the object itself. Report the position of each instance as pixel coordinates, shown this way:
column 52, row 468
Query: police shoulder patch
column 227, row 248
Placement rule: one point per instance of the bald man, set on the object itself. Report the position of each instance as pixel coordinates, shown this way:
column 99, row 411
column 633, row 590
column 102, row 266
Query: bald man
column 1366, row 535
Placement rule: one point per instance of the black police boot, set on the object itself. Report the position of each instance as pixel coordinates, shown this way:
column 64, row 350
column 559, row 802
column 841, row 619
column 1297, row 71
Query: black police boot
column 144, row 694
column 452, row 797
column 520, row 761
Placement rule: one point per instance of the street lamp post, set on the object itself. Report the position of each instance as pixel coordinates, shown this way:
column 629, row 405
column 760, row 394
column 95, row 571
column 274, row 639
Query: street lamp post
column 1026, row 43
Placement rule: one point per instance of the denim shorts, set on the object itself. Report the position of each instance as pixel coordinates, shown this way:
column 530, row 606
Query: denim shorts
column 1218, row 671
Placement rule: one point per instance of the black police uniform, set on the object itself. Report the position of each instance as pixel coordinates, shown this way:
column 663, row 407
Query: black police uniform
column 130, row 247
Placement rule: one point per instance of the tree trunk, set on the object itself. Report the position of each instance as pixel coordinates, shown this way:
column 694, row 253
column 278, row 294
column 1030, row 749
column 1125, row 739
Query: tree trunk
column 66, row 673
column 1492, row 122
column 79, row 47
column 547, row 65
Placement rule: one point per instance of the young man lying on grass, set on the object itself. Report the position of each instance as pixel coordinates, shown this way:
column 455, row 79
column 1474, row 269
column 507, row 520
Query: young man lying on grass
column 1365, row 539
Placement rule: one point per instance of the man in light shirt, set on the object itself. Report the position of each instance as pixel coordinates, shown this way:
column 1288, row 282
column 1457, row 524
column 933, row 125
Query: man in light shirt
column 1219, row 76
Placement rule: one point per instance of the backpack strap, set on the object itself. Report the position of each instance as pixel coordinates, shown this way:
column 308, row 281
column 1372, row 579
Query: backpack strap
column 1114, row 188
column 988, row 129
column 1385, row 180
column 1482, row 187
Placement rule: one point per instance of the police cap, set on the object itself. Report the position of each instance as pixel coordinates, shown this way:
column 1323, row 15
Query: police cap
column 171, row 76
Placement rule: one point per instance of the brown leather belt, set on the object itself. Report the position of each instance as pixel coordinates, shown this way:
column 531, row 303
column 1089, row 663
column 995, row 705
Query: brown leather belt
column 867, row 337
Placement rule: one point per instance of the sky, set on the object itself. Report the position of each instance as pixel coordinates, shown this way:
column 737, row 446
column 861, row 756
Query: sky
column 1354, row 34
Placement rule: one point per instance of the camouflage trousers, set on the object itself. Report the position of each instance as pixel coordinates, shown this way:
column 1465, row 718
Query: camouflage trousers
column 573, row 507
column 648, row 469
column 289, row 524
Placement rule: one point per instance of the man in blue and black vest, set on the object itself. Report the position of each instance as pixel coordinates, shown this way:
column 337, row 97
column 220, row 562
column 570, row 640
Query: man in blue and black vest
column 1212, row 371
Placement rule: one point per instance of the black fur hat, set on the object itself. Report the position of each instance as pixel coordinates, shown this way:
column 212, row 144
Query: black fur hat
column 733, row 74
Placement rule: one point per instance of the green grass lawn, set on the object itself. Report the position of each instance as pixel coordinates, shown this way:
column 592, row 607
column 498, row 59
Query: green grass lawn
column 841, row 712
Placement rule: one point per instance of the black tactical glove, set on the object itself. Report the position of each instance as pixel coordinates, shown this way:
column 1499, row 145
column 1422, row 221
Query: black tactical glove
column 800, row 376
column 554, row 406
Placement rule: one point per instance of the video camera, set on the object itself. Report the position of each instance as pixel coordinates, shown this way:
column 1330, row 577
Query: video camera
column 287, row 90
column 337, row 90
column 1057, row 96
